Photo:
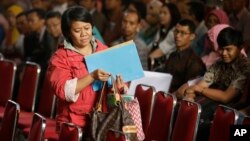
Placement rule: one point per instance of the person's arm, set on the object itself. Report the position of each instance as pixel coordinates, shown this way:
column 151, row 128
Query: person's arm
column 181, row 90
column 191, row 91
column 156, row 53
column 219, row 95
column 214, row 94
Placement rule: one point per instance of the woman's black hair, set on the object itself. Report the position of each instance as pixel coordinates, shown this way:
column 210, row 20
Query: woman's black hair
column 229, row 36
column 174, row 13
column 75, row 13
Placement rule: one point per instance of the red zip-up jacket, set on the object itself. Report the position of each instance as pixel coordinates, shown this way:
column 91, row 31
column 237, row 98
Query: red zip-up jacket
column 65, row 65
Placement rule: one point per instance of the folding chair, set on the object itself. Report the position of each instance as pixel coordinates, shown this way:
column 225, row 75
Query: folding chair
column 7, row 78
column 160, row 126
column 187, row 120
column 37, row 128
column 145, row 94
column 224, row 117
column 70, row 132
column 46, row 106
column 8, row 126
column 1, row 56
column 28, row 86
column 114, row 135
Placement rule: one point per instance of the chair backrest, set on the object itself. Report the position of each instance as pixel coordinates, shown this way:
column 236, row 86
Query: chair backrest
column 28, row 86
column 37, row 128
column 224, row 117
column 114, row 135
column 246, row 120
column 47, row 96
column 160, row 126
column 70, row 132
column 187, row 120
column 9, row 122
column 7, row 78
column 145, row 94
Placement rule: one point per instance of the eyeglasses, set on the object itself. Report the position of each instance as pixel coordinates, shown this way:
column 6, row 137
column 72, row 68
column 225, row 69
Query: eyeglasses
column 182, row 33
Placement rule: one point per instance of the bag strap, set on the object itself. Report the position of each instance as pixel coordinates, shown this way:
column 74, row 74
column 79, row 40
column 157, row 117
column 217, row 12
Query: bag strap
column 99, row 103
column 114, row 87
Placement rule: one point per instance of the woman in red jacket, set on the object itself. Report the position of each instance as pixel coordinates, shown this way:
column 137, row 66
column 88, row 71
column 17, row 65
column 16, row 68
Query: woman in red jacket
column 67, row 71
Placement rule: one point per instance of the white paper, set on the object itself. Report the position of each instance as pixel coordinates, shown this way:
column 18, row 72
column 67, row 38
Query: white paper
column 194, row 81
column 161, row 81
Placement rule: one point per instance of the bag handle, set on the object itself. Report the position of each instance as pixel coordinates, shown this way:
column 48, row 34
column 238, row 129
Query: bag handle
column 114, row 87
column 99, row 103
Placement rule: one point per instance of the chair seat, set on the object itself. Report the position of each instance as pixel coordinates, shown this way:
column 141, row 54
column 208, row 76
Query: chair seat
column 50, row 132
column 25, row 122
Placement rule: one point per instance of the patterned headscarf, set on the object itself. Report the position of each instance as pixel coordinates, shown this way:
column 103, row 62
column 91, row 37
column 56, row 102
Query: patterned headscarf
column 213, row 34
column 220, row 14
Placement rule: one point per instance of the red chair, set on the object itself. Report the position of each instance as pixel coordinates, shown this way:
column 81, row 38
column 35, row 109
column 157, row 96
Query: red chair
column 145, row 94
column 47, row 110
column 7, row 78
column 160, row 126
column 223, row 118
column 70, row 132
column 187, row 120
column 114, row 135
column 8, row 126
column 28, row 86
column 37, row 128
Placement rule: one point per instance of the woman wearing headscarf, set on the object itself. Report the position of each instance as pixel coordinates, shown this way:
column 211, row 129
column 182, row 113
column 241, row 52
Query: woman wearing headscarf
column 11, row 45
column 214, row 17
column 213, row 55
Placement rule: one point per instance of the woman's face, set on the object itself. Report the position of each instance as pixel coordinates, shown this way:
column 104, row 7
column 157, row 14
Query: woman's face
column 229, row 53
column 81, row 34
column 165, row 16
column 212, row 20
column 11, row 18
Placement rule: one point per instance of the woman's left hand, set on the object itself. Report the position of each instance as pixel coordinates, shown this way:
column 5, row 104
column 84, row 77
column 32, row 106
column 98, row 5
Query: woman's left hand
column 121, row 85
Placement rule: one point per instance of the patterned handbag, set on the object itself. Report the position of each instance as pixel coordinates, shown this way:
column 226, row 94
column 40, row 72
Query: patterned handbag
column 117, row 118
column 135, row 112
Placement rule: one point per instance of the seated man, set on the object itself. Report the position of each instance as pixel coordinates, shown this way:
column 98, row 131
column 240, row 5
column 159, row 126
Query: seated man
column 224, row 81
column 183, row 64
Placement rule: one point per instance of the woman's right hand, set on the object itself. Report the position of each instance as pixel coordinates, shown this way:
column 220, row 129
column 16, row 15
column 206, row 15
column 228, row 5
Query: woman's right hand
column 100, row 74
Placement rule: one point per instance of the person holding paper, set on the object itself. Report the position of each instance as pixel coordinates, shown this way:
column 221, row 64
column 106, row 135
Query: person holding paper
column 67, row 71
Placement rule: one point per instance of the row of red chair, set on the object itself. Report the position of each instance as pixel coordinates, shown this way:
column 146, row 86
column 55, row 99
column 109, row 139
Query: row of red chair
column 157, row 109
column 68, row 132
column 27, row 95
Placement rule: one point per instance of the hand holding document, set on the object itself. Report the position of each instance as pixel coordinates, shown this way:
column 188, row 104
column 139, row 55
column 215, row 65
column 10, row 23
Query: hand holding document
column 121, row 59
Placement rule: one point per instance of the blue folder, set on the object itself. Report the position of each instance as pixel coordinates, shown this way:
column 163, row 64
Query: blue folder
column 122, row 59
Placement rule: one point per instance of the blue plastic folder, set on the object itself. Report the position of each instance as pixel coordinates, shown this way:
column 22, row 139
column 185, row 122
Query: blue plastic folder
column 121, row 59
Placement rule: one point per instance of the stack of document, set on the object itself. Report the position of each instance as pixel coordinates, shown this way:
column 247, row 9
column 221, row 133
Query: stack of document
column 122, row 59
